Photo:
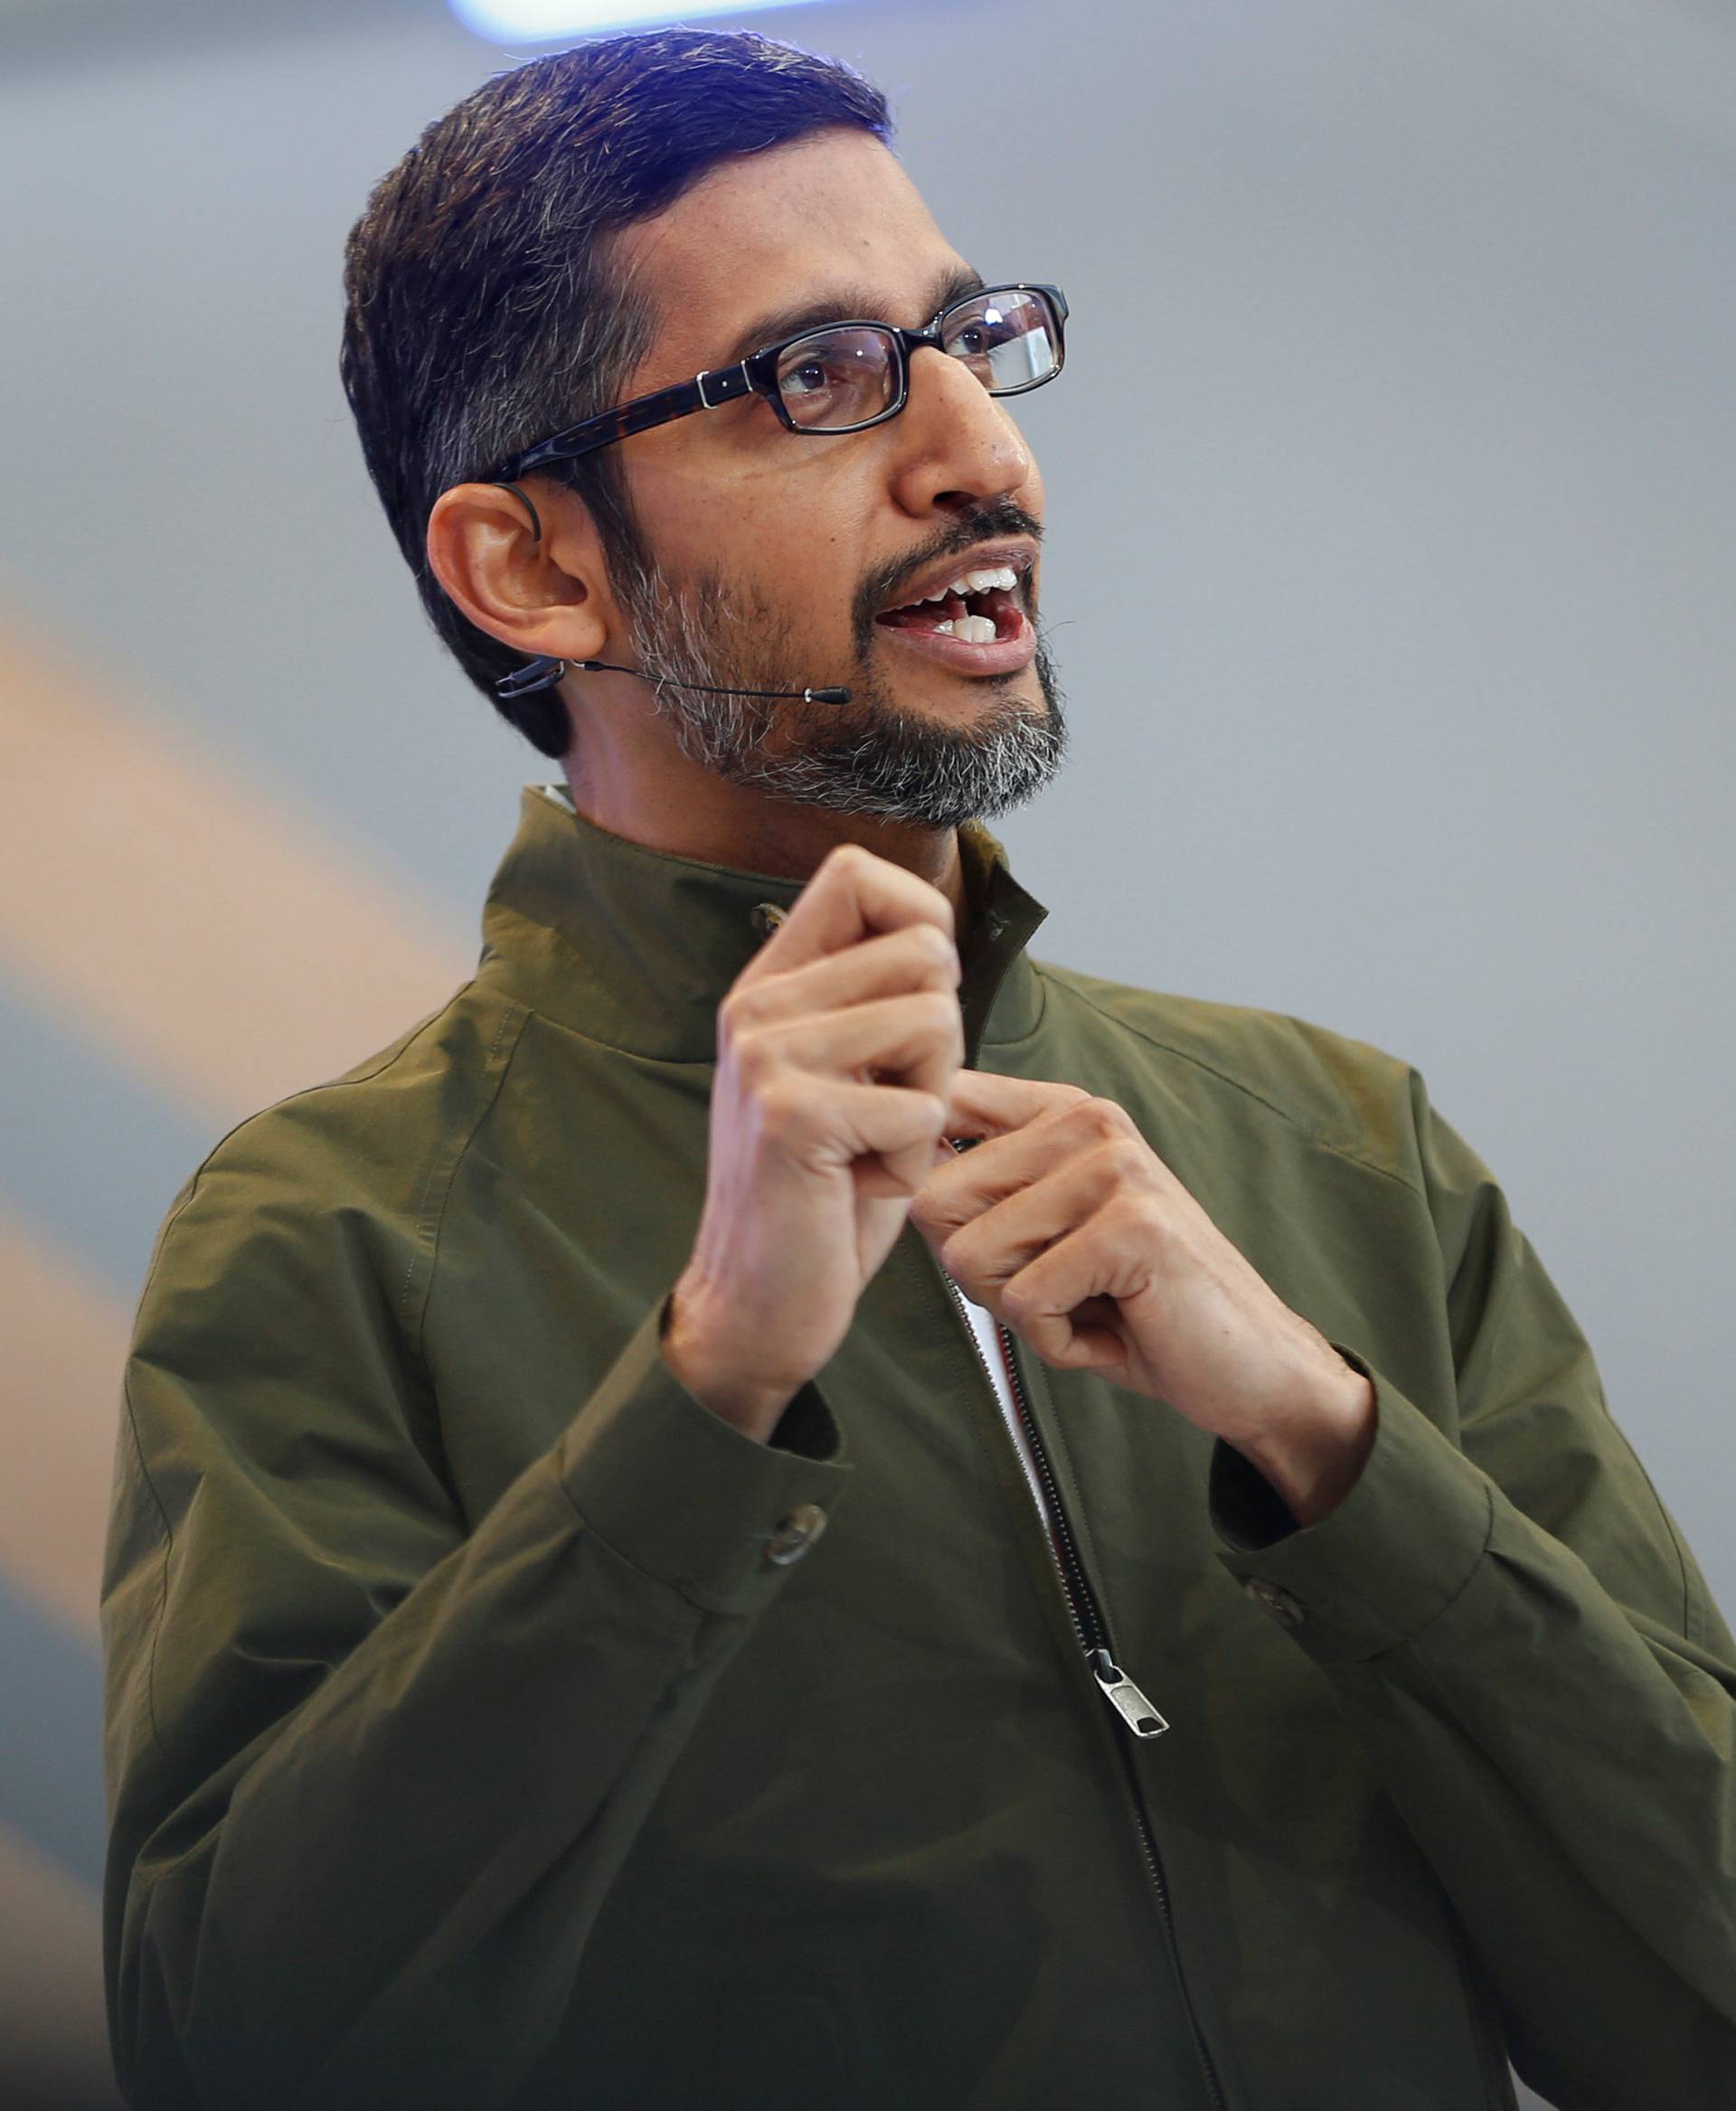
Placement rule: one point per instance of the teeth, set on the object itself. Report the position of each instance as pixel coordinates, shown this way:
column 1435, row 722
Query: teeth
column 947, row 629
column 975, row 629
column 979, row 583
column 972, row 582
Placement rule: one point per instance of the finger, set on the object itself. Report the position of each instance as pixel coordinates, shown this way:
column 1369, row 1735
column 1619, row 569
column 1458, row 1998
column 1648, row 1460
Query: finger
column 914, row 1040
column 1042, row 1303
column 1072, row 1126
column 983, row 1245
column 853, row 895
column 918, row 957
column 915, row 1037
column 984, row 1104
column 822, row 1126
column 965, row 1183
column 1100, row 1349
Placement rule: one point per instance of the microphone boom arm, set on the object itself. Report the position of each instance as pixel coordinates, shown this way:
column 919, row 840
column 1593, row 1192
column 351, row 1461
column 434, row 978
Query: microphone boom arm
column 544, row 673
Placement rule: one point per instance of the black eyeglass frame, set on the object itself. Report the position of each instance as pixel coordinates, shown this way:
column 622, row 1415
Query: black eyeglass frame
column 756, row 375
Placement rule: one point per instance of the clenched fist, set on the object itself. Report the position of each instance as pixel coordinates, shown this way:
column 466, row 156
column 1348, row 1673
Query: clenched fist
column 836, row 1049
column 1069, row 1228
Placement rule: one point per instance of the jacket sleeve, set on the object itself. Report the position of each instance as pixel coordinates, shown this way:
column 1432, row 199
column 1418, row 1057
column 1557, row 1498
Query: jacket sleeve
column 1525, row 1647
column 371, row 1765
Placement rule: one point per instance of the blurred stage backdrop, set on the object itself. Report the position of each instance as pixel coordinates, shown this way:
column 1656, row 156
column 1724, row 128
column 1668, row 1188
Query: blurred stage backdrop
column 1392, row 490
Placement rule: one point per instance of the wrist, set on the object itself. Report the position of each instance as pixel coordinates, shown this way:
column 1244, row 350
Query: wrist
column 1315, row 1463
column 707, row 1370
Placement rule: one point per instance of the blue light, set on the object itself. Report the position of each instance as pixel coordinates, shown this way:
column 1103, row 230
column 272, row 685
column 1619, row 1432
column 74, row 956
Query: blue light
column 540, row 21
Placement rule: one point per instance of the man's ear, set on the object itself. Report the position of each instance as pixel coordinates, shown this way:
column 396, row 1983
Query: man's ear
column 542, row 593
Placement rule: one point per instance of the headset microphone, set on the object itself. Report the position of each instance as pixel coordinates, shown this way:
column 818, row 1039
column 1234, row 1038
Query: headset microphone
column 544, row 673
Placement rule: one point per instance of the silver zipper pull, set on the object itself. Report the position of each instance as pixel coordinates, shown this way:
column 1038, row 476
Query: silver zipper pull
column 1129, row 1703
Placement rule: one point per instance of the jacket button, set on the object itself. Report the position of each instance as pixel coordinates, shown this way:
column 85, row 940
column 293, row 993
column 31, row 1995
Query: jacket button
column 1286, row 1609
column 795, row 1534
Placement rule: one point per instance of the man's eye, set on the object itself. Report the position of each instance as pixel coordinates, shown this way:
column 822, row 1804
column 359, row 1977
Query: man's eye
column 988, row 334
column 808, row 374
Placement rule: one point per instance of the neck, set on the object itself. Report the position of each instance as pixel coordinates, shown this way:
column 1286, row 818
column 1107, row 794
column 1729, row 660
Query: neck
column 666, row 801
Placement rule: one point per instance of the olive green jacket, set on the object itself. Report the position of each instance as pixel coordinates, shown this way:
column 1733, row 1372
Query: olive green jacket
column 489, row 1724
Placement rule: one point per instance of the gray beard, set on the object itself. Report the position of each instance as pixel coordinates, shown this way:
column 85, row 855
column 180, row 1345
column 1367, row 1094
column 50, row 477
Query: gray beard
column 864, row 757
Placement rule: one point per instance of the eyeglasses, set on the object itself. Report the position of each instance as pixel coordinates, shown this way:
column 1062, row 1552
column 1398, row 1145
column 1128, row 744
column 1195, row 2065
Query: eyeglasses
column 847, row 376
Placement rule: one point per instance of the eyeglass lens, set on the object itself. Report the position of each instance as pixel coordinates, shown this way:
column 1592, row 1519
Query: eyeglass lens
column 847, row 375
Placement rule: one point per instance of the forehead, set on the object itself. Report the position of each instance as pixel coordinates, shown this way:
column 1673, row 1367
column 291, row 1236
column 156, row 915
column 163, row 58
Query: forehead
column 831, row 212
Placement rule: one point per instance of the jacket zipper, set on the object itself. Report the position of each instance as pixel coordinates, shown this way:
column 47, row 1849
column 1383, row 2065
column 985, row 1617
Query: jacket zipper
column 1137, row 1713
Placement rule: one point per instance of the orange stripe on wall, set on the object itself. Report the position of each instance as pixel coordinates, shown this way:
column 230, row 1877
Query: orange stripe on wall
column 66, row 1343
column 215, row 942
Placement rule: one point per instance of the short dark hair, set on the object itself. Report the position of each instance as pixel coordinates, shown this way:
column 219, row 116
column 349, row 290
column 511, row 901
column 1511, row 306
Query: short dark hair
column 484, row 307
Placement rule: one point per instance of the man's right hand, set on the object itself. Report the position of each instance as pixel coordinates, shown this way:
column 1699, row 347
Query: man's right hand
column 836, row 1048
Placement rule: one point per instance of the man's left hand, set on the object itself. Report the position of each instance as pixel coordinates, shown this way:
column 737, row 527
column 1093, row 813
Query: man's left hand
column 1066, row 1225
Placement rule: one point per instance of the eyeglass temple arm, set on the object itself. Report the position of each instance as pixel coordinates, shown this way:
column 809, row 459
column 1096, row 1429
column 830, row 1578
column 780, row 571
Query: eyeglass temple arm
column 705, row 392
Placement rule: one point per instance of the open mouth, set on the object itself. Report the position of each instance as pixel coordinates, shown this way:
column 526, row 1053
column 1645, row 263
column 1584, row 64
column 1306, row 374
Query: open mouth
column 977, row 607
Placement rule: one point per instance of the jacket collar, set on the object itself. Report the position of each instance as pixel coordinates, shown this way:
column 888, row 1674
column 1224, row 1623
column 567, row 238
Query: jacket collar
column 636, row 947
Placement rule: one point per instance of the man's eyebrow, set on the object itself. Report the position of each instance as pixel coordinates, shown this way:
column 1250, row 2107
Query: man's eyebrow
column 846, row 307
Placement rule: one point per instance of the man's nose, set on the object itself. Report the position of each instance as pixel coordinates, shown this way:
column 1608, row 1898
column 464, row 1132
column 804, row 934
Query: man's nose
column 954, row 441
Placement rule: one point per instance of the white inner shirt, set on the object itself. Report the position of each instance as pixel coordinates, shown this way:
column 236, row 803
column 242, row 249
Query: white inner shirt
column 988, row 1339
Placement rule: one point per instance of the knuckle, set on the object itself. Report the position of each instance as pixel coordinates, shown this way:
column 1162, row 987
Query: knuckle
column 756, row 1061
column 783, row 1110
column 738, row 1011
column 940, row 1012
column 934, row 949
column 934, row 1214
column 1132, row 1218
column 847, row 860
column 1126, row 1159
column 934, row 1114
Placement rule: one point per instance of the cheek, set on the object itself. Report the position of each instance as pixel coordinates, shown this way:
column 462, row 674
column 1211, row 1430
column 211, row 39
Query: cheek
column 793, row 532
column 684, row 518
column 799, row 564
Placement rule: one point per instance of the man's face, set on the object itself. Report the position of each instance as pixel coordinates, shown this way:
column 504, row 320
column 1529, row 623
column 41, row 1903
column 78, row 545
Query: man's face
column 778, row 557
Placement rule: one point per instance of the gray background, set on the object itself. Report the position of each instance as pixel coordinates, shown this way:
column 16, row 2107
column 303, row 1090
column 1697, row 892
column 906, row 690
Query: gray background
column 1390, row 509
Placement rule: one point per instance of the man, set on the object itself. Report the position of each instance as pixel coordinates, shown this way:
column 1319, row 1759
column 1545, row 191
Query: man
column 781, row 1501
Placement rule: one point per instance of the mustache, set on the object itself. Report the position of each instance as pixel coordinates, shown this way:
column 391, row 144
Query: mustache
column 981, row 523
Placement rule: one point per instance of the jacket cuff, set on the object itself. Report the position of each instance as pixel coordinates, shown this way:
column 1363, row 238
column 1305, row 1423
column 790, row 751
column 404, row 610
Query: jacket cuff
column 685, row 1498
column 1392, row 1557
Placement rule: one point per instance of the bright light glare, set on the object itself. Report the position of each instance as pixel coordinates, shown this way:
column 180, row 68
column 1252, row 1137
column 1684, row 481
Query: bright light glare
column 537, row 21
